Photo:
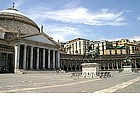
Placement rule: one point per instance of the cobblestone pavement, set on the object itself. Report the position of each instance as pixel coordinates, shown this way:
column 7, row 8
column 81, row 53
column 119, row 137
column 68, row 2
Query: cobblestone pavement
column 64, row 83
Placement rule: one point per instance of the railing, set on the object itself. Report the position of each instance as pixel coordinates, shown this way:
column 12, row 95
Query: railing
column 133, row 70
column 76, row 74
column 91, row 75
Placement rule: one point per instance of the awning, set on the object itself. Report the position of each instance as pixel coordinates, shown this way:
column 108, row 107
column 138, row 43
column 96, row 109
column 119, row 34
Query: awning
column 119, row 47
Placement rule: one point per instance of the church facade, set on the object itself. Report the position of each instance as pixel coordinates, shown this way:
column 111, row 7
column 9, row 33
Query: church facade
column 24, row 46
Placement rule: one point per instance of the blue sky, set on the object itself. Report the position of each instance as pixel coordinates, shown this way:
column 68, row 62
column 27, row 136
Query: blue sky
column 90, row 19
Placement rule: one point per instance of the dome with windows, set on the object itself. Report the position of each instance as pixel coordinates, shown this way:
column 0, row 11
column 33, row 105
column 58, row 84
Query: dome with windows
column 12, row 20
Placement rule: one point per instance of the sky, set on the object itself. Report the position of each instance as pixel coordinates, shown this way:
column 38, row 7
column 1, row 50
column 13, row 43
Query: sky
column 65, row 20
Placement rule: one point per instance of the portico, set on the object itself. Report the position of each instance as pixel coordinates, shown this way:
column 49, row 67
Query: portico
column 34, row 55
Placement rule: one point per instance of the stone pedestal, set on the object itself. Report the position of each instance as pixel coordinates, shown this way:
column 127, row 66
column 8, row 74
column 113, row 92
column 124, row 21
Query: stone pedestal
column 90, row 70
column 127, row 69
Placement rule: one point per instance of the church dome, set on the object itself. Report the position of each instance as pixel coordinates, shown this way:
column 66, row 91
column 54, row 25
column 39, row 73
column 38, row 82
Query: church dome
column 13, row 21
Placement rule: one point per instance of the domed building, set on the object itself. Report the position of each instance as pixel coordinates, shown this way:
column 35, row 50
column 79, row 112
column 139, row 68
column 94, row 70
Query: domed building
column 14, row 21
column 23, row 45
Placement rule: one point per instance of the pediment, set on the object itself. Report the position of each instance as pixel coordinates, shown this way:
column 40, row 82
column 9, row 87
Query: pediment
column 40, row 38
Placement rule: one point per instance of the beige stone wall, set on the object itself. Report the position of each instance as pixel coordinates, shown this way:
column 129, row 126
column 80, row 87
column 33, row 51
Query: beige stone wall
column 2, row 35
column 123, row 51
column 112, row 51
column 131, row 52
column 118, row 51
column 107, row 52
column 12, row 25
column 101, row 52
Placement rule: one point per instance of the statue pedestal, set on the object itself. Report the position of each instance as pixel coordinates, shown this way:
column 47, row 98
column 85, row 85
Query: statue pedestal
column 127, row 69
column 90, row 70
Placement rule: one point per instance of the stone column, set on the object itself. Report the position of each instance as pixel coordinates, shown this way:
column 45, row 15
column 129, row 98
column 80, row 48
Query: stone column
column 121, row 64
column 37, row 64
column 104, row 64
column 24, row 58
column 108, row 65
column 53, row 59
column 135, row 64
column 61, row 65
column 17, row 53
column 48, row 59
column 43, row 58
column 100, row 65
column 7, row 65
column 31, row 58
column 112, row 65
column 58, row 59
column 117, row 63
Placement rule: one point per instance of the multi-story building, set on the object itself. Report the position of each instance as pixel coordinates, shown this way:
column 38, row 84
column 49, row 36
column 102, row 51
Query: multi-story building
column 76, row 46
column 111, row 55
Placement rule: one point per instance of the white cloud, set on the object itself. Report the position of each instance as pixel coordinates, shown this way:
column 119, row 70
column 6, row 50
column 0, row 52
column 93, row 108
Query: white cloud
column 72, row 4
column 80, row 15
column 61, row 33
column 137, row 38
column 138, row 18
column 62, row 30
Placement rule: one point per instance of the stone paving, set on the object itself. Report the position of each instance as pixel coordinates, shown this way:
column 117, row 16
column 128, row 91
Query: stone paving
column 64, row 83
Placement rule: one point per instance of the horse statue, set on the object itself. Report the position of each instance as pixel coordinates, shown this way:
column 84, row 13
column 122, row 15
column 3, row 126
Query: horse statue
column 127, row 61
column 92, row 52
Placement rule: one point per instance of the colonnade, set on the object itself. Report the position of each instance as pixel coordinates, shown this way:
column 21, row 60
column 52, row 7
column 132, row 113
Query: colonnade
column 38, row 57
column 70, row 65
column 42, row 58
column 115, row 64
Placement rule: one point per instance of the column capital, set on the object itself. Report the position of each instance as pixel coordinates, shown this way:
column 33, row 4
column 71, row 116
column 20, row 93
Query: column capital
column 25, row 45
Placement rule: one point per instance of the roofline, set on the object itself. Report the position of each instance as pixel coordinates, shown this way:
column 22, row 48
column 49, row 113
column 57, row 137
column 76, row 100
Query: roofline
column 19, row 16
column 76, row 39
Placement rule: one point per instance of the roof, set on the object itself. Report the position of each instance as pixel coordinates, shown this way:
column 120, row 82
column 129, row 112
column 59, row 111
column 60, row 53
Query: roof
column 13, row 11
column 10, row 12
column 76, row 39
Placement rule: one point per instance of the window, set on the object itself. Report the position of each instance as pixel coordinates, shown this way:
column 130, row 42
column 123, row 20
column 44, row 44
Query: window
column 76, row 45
column 79, row 44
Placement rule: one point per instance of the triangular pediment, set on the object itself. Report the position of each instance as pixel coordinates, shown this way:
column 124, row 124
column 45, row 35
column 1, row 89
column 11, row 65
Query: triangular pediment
column 40, row 38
